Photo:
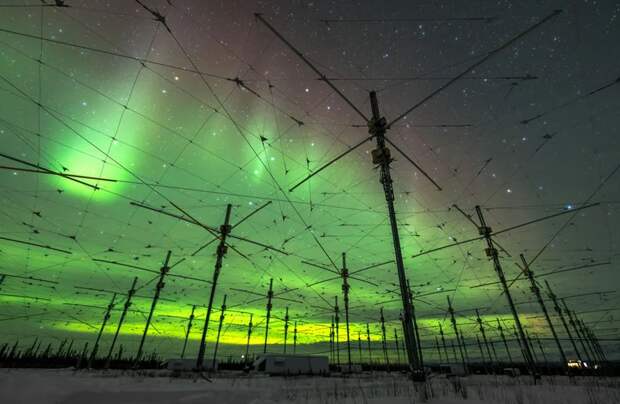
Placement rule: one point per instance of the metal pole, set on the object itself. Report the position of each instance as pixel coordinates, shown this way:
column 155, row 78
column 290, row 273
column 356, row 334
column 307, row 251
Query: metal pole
column 491, row 251
column 219, row 331
column 443, row 342
column 381, row 157
column 484, row 362
column 269, row 306
column 465, row 349
column 383, row 341
column 106, row 317
column 220, row 253
column 83, row 355
column 58, row 354
column 397, row 348
column 438, row 349
column 573, row 323
column 542, row 351
column 369, row 347
column 521, row 347
column 247, row 344
column 160, row 285
column 531, row 346
column 285, row 328
column 587, row 339
column 501, row 333
column 189, row 327
column 345, row 292
column 592, row 340
column 418, row 341
column 295, row 338
column 536, row 290
column 359, row 345
column 456, row 358
column 69, row 350
column 558, row 310
column 332, row 353
column 484, row 336
column 337, row 329
column 596, row 344
column 130, row 293
column 492, row 344
column 456, row 332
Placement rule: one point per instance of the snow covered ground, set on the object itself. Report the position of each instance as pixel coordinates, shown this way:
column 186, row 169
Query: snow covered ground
column 95, row 387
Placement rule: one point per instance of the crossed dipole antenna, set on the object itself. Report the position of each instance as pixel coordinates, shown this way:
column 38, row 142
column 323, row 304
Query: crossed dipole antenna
column 221, row 235
column 270, row 296
column 378, row 127
column 487, row 234
column 344, row 274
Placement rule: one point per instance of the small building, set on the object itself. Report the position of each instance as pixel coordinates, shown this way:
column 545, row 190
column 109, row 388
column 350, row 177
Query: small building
column 284, row 364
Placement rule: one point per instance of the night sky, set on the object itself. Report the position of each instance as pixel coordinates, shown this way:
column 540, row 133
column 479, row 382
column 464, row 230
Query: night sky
column 219, row 111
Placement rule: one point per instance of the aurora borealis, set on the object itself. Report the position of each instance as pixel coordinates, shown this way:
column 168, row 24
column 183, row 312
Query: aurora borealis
column 101, row 90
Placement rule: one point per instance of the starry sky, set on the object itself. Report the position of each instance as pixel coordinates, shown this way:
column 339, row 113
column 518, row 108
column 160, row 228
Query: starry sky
column 105, row 110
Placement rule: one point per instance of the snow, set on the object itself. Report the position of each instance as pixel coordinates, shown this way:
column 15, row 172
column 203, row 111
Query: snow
column 67, row 386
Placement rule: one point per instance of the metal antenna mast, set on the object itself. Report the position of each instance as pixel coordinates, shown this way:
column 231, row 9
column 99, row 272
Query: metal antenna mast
column 484, row 335
column 383, row 340
column 106, row 317
column 269, row 306
column 247, row 344
column 345, row 291
column 588, row 338
column 418, row 341
column 337, row 330
column 443, row 342
column 501, row 333
column 378, row 126
column 285, row 328
column 542, row 351
column 484, row 362
column 491, row 251
column 521, row 343
column 220, row 252
column 295, row 338
column 465, row 349
column 530, row 344
column 558, row 310
column 219, row 331
column 331, row 341
column 438, row 350
column 126, row 306
column 595, row 342
column 573, row 323
column 160, row 285
column 189, row 328
column 397, row 347
column 456, row 332
column 369, row 347
column 359, row 344
column 536, row 290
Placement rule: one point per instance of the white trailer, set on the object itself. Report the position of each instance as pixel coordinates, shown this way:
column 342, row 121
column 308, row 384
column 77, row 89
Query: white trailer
column 274, row 364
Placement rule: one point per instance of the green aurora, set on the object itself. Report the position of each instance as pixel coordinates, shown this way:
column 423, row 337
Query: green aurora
column 156, row 135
